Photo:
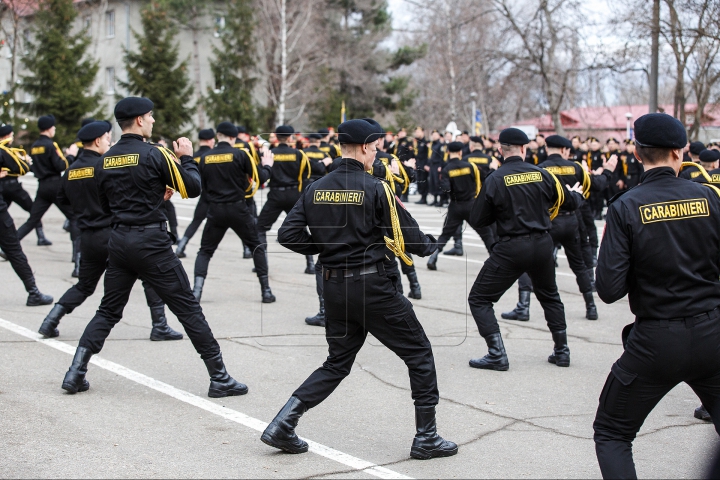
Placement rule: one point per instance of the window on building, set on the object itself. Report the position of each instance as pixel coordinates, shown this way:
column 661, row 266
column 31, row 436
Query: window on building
column 110, row 23
column 219, row 26
column 110, row 80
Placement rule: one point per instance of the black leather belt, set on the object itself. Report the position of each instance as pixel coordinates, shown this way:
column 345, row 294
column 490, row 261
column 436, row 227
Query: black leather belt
column 280, row 189
column 334, row 273
column 564, row 213
column 689, row 321
column 505, row 238
column 8, row 180
column 120, row 226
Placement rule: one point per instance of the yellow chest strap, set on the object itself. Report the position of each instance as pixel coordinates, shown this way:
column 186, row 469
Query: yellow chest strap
column 175, row 178
column 555, row 209
column 253, row 187
column 17, row 154
column 396, row 244
column 62, row 157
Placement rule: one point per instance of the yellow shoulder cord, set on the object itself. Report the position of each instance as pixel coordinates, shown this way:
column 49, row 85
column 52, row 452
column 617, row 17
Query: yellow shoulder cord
column 304, row 163
column 253, row 154
column 586, row 183
column 15, row 154
column 717, row 190
column 404, row 179
column 396, row 244
column 478, row 183
column 555, row 209
column 703, row 172
column 177, row 182
column 59, row 152
column 625, row 166
column 253, row 187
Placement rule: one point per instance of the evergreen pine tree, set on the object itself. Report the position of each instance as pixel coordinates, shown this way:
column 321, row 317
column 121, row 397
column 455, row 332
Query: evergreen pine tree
column 60, row 76
column 231, row 98
column 154, row 72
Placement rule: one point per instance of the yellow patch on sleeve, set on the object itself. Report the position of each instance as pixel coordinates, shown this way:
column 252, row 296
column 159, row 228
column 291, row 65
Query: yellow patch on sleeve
column 121, row 161
column 316, row 155
column 521, row 178
column 219, row 158
column 674, row 210
column 80, row 173
column 694, row 174
column 480, row 160
column 565, row 170
column 456, row 172
column 339, row 197
column 37, row 151
column 285, row 157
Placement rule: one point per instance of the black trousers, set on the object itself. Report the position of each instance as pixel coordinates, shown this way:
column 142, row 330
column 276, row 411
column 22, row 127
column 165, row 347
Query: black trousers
column 12, row 191
column 421, row 178
column 146, row 252
column 236, row 216
column 10, row 244
column 172, row 217
column 457, row 213
column 199, row 215
column 510, row 257
column 585, row 247
column 659, row 354
column 587, row 216
column 362, row 304
column 278, row 201
column 596, row 202
column 434, row 180
column 564, row 231
column 46, row 196
column 93, row 262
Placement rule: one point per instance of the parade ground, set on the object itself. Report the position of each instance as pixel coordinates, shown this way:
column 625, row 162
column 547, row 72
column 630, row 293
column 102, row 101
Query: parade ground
column 147, row 414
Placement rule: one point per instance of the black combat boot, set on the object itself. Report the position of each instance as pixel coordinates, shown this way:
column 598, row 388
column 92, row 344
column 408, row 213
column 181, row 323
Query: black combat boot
column 427, row 443
column 76, row 270
column 590, row 308
column 75, row 249
column 75, row 377
column 422, row 201
column 66, row 225
column 319, row 319
column 496, row 359
column 160, row 329
column 35, row 298
column 48, row 329
column 522, row 309
column 561, row 352
column 432, row 261
column 221, row 383
column 591, row 274
column 198, row 287
column 267, row 295
column 247, row 253
column 180, row 250
column 702, row 414
column 309, row 265
column 281, row 431
column 3, row 255
column 457, row 250
column 415, row 292
column 42, row 240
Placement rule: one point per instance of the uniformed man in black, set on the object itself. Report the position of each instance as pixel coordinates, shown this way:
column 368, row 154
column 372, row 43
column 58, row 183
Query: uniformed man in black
column 661, row 248
column 229, row 175
column 48, row 164
column 594, row 159
column 631, row 166
column 79, row 190
column 14, row 163
column 206, row 141
column 132, row 184
column 290, row 170
column 618, row 181
column 523, row 199
column 11, row 189
column 359, row 296
column 332, row 150
column 243, row 141
column 690, row 172
column 462, row 181
column 422, row 155
column 542, row 153
column 437, row 161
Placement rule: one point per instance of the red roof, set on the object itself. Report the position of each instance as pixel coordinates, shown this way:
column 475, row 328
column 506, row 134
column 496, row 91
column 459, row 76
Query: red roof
column 26, row 7
column 612, row 121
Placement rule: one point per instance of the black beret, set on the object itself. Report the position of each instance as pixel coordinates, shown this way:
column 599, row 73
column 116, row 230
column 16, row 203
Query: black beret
column 324, row 132
column 592, row 139
column 513, row 136
column 476, row 139
column 5, row 130
column 360, row 131
column 709, row 156
column 556, row 141
column 241, row 129
column 660, row 130
column 696, row 148
column 93, row 130
column 316, row 136
column 227, row 129
column 540, row 135
column 284, row 130
column 207, row 134
column 455, row 146
column 86, row 121
column 629, row 141
column 611, row 139
column 131, row 107
column 46, row 122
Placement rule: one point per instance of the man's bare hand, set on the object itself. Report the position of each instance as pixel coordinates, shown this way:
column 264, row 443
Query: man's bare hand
column 611, row 163
column 495, row 164
column 426, row 168
column 71, row 150
column 326, row 161
column 168, row 193
column 3, row 173
column 182, row 147
column 411, row 163
column 620, row 184
column 267, row 157
column 577, row 188
column 394, row 168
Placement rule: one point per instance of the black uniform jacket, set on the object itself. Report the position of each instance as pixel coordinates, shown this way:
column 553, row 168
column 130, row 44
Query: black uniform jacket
column 132, row 178
column 567, row 172
column 250, row 148
column 690, row 172
column 47, row 162
column 662, row 247
column 594, row 159
column 316, row 156
column 332, row 151
column 15, row 165
column 349, row 216
column 290, row 168
column 79, row 190
column 714, row 177
column 518, row 196
column 201, row 151
column 481, row 159
column 631, row 166
column 422, row 153
column 460, row 179
column 226, row 172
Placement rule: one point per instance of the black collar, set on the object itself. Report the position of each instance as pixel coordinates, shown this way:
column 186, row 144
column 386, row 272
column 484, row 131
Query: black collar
column 657, row 174
column 512, row 159
column 133, row 136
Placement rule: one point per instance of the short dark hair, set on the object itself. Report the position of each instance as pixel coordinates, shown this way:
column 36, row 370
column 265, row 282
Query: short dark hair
column 282, row 138
column 126, row 123
column 652, row 155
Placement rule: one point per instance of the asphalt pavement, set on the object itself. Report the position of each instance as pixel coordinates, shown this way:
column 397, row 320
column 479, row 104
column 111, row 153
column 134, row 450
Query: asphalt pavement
column 147, row 413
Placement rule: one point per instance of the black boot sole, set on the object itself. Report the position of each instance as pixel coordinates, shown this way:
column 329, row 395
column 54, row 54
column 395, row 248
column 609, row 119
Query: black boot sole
column 162, row 338
column 214, row 393
column 310, row 271
column 49, row 334
column 591, row 317
column 517, row 319
column 705, row 418
column 563, row 363
column 269, row 299
column 313, row 322
column 422, row 454
column 38, row 304
column 45, row 243
column 497, row 368
column 415, row 297
column 72, row 389
column 432, row 266
column 268, row 440
column 181, row 255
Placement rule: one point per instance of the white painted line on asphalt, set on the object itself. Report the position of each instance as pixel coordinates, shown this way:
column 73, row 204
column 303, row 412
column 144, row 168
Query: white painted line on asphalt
column 207, row 405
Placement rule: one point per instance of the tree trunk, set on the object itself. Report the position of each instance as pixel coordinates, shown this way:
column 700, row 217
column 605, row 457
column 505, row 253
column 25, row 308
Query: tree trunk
column 196, row 65
column 654, row 57
column 283, row 63
column 451, row 64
